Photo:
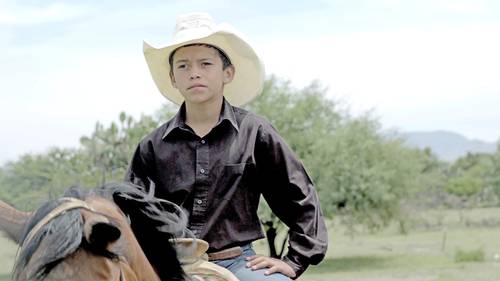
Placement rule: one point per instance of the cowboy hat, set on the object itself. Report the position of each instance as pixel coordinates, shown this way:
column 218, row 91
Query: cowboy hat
column 199, row 28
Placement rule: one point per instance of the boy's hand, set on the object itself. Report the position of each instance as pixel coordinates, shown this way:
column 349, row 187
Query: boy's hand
column 274, row 265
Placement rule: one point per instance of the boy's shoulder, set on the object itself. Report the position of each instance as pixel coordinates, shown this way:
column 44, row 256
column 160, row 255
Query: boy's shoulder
column 244, row 116
column 157, row 134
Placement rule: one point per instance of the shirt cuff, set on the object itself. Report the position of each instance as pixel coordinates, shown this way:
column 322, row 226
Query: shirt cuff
column 298, row 268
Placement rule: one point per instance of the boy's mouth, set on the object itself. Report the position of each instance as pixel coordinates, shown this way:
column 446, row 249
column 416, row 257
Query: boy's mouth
column 197, row 86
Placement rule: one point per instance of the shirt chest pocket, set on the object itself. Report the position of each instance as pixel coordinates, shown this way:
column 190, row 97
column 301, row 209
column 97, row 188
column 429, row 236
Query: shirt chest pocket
column 233, row 180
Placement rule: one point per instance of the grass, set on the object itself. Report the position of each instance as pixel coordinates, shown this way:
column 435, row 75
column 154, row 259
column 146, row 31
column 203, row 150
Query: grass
column 425, row 254
column 7, row 253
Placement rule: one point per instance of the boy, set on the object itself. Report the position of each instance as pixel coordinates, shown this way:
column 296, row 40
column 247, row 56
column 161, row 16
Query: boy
column 215, row 159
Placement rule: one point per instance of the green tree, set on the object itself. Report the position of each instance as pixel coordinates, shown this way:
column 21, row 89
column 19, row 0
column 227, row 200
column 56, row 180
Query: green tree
column 108, row 149
column 495, row 173
column 103, row 156
column 302, row 117
column 33, row 179
column 434, row 175
column 367, row 173
column 360, row 175
column 469, row 177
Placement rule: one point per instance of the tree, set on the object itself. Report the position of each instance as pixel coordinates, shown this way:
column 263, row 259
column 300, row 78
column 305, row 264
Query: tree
column 495, row 173
column 301, row 117
column 108, row 149
column 470, row 176
column 102, row 157
column 361, row 176
column 366, row 172
column 33, row 179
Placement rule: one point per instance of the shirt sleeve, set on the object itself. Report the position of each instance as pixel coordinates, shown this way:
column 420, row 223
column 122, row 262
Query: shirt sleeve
column 145, row 229
column 139, row 169
column 291, row 195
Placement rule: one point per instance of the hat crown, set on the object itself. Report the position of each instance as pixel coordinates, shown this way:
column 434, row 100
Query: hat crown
column 193, row 25
column 200, row 28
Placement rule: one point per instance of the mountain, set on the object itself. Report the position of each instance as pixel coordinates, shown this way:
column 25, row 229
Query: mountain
column 448, row 146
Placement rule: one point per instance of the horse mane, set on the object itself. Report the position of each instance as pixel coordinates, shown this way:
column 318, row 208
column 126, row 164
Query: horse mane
column 154, row 222
column 168, row 216
column 64, row 233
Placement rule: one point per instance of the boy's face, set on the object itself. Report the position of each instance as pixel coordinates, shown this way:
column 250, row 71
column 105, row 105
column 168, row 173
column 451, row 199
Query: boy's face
column 197, row 73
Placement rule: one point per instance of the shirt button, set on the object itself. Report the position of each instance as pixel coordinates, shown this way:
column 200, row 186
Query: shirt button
column 199, row 201
column 202, row 141
column 202, row 171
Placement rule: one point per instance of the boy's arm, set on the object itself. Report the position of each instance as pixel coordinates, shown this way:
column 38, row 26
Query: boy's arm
column 138, row 171
column 291, row 195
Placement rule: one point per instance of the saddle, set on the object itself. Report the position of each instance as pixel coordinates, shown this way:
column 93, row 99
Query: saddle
column 192, row 254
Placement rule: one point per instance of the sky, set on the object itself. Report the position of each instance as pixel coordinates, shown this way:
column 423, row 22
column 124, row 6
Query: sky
column 416, row 65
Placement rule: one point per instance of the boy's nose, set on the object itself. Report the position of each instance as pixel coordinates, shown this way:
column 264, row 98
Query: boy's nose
column 194, row 75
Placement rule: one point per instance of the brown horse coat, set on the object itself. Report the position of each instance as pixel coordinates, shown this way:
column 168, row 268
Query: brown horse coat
column 85, row 236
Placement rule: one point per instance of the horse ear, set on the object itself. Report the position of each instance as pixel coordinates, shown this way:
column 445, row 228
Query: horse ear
column 99, row 231
column 104, row 233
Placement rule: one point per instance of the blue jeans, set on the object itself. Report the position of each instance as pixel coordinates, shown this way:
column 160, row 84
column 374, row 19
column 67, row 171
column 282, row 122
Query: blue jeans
column 238, row 267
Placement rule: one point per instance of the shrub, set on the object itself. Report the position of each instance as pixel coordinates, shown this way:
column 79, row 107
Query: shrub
column 469, row 256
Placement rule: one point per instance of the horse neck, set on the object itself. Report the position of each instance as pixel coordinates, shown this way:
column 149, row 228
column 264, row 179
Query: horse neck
column 137, row 259
column 133, row 253
column 12, row 221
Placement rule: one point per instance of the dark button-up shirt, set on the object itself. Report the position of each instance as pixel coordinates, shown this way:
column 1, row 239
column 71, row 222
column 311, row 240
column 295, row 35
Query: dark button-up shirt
column 218, row 180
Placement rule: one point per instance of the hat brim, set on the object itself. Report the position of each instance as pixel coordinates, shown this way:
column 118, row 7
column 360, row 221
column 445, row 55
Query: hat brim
column 249, row 75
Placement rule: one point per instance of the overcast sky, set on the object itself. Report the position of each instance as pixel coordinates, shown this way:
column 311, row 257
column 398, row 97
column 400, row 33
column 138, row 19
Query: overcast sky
column 420, row 65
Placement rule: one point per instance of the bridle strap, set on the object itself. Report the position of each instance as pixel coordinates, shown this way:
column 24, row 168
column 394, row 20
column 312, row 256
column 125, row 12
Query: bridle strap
column 69, row 204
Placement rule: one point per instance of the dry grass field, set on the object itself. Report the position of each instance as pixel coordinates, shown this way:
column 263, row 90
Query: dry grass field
column 428, row 253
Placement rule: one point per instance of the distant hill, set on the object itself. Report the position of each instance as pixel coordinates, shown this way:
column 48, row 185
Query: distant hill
column 448, row 146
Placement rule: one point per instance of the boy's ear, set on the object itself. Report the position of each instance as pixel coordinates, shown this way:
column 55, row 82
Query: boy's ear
column 172, row 80
column 228, row 74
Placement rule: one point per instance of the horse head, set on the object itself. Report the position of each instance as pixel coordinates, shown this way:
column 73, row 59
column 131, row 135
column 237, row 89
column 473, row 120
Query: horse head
column 86, row 236
column 12, row 221
column 80, row 239
column 82, row 236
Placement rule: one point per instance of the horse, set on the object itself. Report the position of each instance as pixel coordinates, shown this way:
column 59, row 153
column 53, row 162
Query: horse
column 85, row 235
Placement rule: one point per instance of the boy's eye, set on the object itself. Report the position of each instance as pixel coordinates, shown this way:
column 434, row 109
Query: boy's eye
column 181, row 66
column 206, row 63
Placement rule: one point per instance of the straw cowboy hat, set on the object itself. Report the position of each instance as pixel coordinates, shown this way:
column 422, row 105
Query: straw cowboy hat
column 200, row 28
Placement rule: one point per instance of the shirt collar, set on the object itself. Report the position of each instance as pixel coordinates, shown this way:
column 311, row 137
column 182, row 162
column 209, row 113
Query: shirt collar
column 227, row 113
column 179, row 120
